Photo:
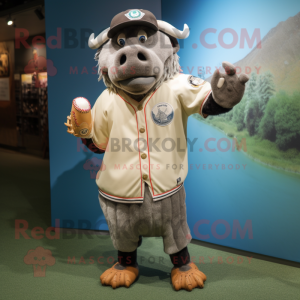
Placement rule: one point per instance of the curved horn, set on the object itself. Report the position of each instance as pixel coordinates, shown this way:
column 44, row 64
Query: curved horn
column 95, row 43
column 171, row 30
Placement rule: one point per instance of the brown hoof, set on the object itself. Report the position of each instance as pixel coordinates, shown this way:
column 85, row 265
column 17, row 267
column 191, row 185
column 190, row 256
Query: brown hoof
column 116, row 278
column 187, row 280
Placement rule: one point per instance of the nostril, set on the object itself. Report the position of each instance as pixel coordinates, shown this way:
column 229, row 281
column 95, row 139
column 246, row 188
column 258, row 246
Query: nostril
column 123, row 59
column 141, row 56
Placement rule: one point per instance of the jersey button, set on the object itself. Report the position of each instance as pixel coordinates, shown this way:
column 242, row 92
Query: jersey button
column 142, row 130
column 143, row 156
column 140, row 107
column 145, row 177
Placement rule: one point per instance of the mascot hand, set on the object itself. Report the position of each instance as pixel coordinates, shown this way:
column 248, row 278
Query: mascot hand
column 227, row 88
column 79, row 122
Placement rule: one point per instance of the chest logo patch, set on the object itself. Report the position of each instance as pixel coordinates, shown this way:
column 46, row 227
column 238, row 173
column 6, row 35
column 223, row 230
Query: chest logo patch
column 162, row 114
column 134, row 14
column 195, row 81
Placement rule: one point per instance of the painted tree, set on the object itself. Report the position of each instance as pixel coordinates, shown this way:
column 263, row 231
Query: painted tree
column 251, row 106
column 267, row 128
column 281, row 122
column 251, row 86
column 265, row 90
column 251, row 118
column 287, row 121
column 239, row 114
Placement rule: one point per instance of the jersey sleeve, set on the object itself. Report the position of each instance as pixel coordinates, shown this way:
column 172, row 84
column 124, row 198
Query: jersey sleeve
column 192, row 92
column 100, row 133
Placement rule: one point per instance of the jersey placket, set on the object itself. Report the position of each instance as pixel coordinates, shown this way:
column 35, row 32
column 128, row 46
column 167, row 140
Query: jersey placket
column 142, row 143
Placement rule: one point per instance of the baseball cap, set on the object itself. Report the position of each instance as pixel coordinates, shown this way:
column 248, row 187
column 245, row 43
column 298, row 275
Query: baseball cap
column 132, row 17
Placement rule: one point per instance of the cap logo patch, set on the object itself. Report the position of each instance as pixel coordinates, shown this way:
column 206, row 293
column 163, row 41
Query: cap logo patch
column 134, row 14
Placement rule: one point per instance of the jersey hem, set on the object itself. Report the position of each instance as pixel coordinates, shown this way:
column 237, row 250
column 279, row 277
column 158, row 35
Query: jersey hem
column 140, row 199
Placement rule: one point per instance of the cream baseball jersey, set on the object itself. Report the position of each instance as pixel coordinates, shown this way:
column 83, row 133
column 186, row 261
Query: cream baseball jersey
column 146, row 141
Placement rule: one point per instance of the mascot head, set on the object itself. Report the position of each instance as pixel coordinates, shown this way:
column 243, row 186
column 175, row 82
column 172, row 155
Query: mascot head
column 137, row 53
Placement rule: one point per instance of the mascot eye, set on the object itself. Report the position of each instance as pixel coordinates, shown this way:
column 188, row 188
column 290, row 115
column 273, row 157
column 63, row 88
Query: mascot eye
column 142, row 36
column 121, row 42
column 142, row 39
column 121, row 39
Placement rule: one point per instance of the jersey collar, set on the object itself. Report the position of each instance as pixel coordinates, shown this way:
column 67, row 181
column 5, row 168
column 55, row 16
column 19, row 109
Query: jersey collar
column 132, row 101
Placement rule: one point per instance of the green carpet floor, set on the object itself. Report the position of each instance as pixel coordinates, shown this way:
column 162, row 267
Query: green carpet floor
column 25, row 194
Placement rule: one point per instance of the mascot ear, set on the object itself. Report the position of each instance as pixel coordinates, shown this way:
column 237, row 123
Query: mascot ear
column 174, row 43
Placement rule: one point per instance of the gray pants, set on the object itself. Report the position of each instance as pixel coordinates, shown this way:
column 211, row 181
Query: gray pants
column 165, row 218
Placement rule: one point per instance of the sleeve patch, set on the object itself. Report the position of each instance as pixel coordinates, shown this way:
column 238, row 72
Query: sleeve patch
column 195, row 81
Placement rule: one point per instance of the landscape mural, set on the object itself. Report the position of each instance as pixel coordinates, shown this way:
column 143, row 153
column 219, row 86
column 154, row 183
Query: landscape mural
column 268, row 116
column 244, row 165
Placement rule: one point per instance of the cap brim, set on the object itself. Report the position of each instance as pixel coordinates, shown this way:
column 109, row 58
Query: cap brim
column 128, row 23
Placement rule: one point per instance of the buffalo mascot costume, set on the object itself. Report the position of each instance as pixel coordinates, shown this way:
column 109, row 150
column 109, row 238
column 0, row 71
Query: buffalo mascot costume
column 140, row 122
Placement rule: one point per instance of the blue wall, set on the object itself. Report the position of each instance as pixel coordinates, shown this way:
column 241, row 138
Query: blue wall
column 74, row 193
column 255, row 198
